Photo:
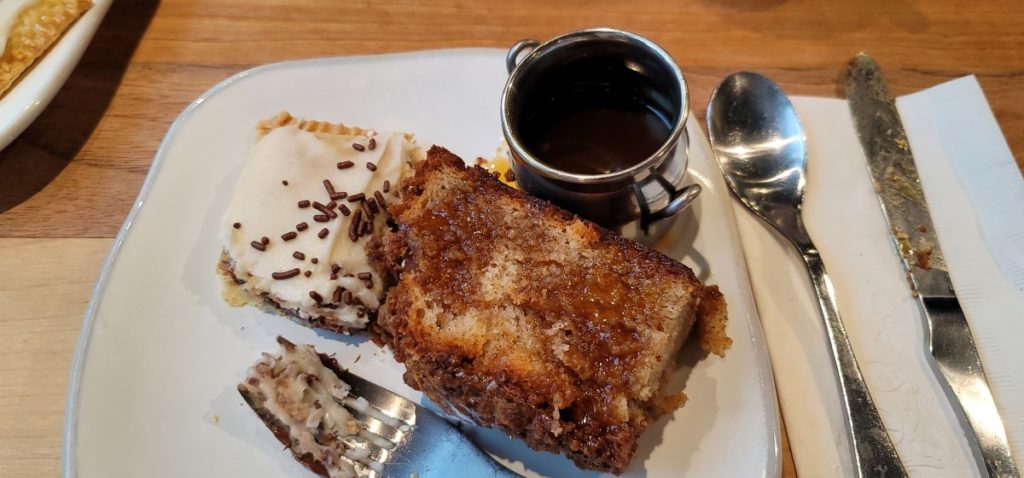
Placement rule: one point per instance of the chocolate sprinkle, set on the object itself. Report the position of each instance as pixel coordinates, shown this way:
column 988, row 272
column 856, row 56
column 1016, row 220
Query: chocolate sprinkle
column 316, row 296
column 299, row 255
column 324, row 209
column 321, row 218
column 371, row 166
column 337, row 294
column 323, row 233
column 304, row 203
column 358, row 147
column 380, row 198
column 345, row 210
column 288, row 274
column 339, row 196
column 364, row 275
column 356, row 197
column 346, row 297
column 353, row 228
column 314, row 260
column 335, row 268
column 387, row 185
column 307, row 273
column 289, row 235
column 258, row 246
column 302, row 226
column 345, row 164
column 265, row 240
column 237, row 225
column 372, row 203
column 372, row 144
column 284, row 182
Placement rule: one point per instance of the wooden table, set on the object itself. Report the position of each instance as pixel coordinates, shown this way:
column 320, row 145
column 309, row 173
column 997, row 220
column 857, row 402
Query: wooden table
column 68, row 181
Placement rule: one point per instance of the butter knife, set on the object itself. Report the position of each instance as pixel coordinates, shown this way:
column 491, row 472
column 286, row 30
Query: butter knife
column 896, row 182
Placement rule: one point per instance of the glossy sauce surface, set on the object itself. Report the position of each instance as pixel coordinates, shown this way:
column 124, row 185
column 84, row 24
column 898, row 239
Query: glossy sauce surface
column 593, row 131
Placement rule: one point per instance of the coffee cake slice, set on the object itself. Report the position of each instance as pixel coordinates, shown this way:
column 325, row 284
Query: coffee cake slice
column 523, row 316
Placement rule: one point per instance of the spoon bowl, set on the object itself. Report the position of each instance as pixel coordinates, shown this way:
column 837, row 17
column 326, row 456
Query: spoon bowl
column 759, row 143
column 760, row 146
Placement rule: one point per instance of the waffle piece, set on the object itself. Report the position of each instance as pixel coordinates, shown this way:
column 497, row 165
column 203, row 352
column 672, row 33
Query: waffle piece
column 520, row 315
column 32, row 32
column 308, row 199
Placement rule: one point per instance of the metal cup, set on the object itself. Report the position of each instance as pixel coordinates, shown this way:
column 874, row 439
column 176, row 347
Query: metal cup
column 639, row 202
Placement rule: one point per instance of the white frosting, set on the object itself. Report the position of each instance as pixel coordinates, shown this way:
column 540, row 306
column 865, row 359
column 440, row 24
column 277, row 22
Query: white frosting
column 303, row 404
column 9, row 12
column 265, row 207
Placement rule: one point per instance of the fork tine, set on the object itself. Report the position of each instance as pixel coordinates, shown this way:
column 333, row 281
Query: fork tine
column 385, row 401
column 364, row 450
column 363, row 470
column 378, row 428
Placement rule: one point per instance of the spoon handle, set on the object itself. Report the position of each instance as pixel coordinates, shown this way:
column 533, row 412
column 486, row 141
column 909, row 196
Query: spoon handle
column 874, row 453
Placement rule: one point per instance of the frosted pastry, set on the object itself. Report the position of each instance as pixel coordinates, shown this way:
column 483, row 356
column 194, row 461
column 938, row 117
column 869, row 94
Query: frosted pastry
column 310, row 196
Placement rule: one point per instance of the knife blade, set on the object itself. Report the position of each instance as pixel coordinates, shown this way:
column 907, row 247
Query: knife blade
column 894, row 175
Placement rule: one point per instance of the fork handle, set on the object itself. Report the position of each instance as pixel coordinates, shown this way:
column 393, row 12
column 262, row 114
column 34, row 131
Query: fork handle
column 447, row 453
column 874, row 453
column 484, row 465
column 497, row 470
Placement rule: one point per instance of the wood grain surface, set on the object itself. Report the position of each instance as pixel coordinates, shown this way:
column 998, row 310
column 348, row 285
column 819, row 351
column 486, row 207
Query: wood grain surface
column 68, row 181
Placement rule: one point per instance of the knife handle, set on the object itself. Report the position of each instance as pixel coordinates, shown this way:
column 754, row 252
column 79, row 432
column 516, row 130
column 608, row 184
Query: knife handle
column 956, row 356
column 873, row 451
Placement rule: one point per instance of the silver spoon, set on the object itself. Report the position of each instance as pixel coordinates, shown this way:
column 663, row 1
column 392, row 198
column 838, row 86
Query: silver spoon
column 759, row 144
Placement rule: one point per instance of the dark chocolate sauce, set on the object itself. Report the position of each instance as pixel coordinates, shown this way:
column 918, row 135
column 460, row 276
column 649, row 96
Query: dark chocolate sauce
column 593, row 127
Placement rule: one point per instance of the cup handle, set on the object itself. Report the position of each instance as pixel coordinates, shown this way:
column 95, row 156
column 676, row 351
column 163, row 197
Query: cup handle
column 680, row 200
column 512, row 57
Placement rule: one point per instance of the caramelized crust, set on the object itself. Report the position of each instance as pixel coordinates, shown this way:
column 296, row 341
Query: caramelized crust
column 521, row 315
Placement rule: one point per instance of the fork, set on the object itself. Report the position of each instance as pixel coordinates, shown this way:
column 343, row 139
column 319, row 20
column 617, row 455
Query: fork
column 422, row 443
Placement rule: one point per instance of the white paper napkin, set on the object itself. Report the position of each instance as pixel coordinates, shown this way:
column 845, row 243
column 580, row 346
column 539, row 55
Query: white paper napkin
column 976, row 197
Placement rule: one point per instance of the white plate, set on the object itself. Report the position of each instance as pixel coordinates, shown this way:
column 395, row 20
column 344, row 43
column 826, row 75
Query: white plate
column 153, row 386
column 34, row 90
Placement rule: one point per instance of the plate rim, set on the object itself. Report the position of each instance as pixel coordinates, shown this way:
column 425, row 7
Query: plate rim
column 759, row 343
column 70, row 424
